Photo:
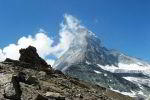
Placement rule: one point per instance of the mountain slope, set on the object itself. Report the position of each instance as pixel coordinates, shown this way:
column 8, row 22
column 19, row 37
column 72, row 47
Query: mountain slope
column 87, row 59
column 31, row 78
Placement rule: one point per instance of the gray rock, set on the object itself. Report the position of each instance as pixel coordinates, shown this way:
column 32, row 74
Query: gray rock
column 41, row 75
column 55, row 96
column 5, row 78
column 28, row 92
column 40, row 97
column 9, row 91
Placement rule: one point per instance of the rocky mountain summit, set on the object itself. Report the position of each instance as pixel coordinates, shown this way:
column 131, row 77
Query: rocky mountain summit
column 31, row 78
column 87, row 59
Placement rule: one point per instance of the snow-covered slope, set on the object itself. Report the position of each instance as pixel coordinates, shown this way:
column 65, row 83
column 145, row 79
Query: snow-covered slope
column 87, row 59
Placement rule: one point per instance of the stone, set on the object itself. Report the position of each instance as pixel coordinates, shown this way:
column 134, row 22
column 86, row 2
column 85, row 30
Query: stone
column 9, row 91
column 5, row 78
column 58, row 72
column 10, row 85
column 40, row 97
column 30, row 55
column 22, row 77
column 9, row 60
column 28, row 92
column 55, row 96
column 41, row 75
column 32, row 80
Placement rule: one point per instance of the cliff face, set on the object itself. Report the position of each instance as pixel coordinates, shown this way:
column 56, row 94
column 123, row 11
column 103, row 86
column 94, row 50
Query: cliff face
column 31, row 78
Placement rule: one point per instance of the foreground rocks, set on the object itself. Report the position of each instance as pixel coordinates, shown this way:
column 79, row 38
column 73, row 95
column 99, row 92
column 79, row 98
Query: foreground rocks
column 29, row 55
column 21, row 80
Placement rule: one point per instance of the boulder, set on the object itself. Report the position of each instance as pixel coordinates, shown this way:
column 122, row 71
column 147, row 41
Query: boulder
column 41, row 75
column 22, row 77
column 5, row 78
column 10, row 60
column 12, row 89
column 40, row 97
column 54, row 96
column 30, row 55
column 9, row 91
column 58, row 72
column 28, row 92
column 32, row 80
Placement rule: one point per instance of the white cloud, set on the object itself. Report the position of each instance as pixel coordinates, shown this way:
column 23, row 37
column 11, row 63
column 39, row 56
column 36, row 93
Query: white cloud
column 43, row 43
column 2, row 56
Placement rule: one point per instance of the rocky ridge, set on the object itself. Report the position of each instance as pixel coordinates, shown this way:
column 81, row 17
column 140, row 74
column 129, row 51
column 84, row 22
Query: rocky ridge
column 31, row 78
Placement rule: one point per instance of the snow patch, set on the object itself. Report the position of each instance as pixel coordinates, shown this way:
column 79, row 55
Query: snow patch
column 87, row 62
column 131, row 94
column 98, row 72
column 127, row 68
column 138, row 80
column 105, row 74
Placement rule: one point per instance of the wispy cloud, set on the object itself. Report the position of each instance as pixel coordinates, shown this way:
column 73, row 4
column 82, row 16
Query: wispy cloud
column 44, row 43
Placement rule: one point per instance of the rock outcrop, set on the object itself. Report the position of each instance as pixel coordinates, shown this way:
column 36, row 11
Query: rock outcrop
column 30, row 55
column 21, row 80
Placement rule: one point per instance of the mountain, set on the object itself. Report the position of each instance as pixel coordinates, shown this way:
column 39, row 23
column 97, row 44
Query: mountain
column 88, row 60
column 31, row 78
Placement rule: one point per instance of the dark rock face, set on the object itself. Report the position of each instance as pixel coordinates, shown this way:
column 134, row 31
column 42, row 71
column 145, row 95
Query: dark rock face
column 9, row 60
column 30, row 55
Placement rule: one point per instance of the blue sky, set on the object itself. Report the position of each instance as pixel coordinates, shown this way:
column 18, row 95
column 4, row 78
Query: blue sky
column 123, row 25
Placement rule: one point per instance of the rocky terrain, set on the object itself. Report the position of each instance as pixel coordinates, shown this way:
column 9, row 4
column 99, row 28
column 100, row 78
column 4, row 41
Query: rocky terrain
column 31, row 78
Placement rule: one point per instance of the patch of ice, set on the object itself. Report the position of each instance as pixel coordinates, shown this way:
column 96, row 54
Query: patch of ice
column 98, row 72
column 88, row 62
column 105, row 74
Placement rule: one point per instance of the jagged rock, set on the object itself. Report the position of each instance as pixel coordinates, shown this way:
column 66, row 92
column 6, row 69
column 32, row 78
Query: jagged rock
column 58, row 72
column 30, row 55
column 9, row 91
column 5, row 78
column 20, row 80
column 55, row 96
column 40, row 97
column 22, row 77
column 80, row 96
column 9, row 60
column 5, row 81
column 12, row 90
column 41, row 75
column 28, row 92
column 32, row 80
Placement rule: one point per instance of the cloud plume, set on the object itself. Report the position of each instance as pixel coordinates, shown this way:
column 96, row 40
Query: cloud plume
column 44, row 43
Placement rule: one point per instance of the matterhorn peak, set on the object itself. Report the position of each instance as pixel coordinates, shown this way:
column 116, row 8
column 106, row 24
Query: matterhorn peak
column 71, row 22
column 79, row 33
